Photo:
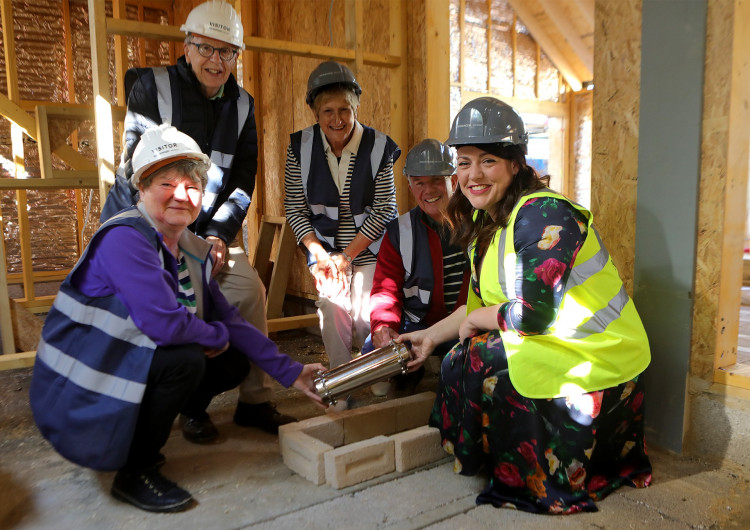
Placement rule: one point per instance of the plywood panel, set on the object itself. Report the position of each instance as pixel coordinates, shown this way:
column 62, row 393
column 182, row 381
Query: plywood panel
column 726, row 140
column 711, row 187
column 614, row 161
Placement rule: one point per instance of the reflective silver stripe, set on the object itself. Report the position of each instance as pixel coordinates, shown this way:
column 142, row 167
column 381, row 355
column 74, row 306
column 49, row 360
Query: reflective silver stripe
column 604, row 317
column 424, row 296
column 243, row 110
column 411, row 316
column 332, row 212
column 88, row 378
column 305, row 156
column 406, row 242
column 501, row 265
column 163, row 94
column 593, row 265
column 115, row 326
column 376, row 155
column 221, row 159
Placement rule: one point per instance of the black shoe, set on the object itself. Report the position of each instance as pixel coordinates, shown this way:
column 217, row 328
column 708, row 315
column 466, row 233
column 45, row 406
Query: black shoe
column 262, row 415
column 150, row 490
column 198, row 430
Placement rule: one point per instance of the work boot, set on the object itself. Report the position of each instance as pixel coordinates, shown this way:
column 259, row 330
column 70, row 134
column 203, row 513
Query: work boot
column 149, row 490
column 261, row 415
column 199, row 430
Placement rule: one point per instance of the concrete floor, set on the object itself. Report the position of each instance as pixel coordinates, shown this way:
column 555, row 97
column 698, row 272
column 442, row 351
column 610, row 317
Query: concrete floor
column 241, row 482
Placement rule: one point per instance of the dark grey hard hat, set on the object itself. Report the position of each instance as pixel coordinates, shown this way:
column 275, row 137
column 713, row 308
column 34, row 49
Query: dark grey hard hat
column 488, row 120
column 428, row 158
column 329, row 73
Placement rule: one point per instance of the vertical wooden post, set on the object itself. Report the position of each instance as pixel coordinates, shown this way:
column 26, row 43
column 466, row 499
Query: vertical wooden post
column 248, row 11
column 513, row 39
column 17, row 149
column 105, row 155
column 461, row 48
column 354, row 30
column 735, row 185
column 489, row 46
column 571, row 136
column 6, row 325
column 437, row 60
column 70, row 78
column 538, row 59
column 399, row 96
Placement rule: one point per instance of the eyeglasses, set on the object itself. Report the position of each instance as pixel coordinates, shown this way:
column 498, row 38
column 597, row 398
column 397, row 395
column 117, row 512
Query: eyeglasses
column 206, row 50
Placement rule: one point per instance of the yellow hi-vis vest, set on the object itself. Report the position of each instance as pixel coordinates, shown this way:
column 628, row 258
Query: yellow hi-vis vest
column 597, row 340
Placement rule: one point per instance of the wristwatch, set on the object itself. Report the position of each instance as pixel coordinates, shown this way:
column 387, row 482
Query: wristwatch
column 347, row 257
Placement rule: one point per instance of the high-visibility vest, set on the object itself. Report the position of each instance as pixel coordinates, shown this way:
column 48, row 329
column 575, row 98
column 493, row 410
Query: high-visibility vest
column 597, row 340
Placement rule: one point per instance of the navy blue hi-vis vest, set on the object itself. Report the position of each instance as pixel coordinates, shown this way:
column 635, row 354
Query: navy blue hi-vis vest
column 91, row 369
column 174, row 108
column 375, row 151
column 223, row 142
column 410, row 236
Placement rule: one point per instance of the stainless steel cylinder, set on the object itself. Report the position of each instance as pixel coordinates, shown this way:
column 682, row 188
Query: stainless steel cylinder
column 363, row 371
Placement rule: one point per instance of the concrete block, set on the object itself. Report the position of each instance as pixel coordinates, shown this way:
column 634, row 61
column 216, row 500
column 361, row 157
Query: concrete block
column 324, row 428
column 360, row 461
column 413, row 411
column 379, row 420
column 304, row 454
column 417, row 447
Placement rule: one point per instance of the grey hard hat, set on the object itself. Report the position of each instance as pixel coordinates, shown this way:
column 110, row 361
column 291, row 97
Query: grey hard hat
column 428, row 158
column 488, row 120
column 330, row 73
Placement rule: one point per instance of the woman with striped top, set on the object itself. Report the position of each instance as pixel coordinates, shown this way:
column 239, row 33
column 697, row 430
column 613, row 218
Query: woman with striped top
column 340, row 194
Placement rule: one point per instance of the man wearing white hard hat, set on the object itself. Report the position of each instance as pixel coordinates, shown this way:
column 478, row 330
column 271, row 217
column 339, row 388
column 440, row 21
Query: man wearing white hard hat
column 200, row 96
column 139, row 332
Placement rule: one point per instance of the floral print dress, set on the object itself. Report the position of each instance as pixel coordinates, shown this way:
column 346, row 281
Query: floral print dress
column 542, row 455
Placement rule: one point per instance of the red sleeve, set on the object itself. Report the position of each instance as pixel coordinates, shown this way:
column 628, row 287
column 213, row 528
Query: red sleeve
column 387, row 295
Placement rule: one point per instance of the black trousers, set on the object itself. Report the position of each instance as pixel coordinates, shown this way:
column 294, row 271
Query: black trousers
column 180, row 379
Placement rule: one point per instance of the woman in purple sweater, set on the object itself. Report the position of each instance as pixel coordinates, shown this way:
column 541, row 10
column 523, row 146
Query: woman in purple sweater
column 139, row 332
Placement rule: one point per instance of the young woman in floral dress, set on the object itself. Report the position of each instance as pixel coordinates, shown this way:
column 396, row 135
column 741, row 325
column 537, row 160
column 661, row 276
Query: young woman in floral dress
column 544, row 390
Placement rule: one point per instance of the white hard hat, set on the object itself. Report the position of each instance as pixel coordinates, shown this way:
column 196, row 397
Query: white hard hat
column 161, row 145
column 217, row 20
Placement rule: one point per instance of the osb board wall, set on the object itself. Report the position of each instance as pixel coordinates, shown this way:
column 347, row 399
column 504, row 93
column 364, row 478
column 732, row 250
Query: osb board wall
column 723, row 185
column 284, row 82
column 614, row 162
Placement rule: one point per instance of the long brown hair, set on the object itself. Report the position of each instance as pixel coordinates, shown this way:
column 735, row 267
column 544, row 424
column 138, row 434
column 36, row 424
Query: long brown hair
column 460, row 212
